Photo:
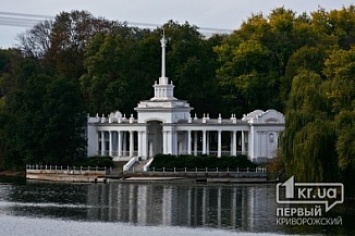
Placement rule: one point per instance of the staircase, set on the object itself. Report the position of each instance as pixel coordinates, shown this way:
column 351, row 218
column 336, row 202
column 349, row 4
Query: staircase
column 138, row 166
column 117, row 168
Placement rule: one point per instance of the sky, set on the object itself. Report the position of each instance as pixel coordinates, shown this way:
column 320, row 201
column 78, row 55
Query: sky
column 219, row 14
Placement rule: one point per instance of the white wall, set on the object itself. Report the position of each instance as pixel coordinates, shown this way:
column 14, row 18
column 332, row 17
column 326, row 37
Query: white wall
column 92, row 140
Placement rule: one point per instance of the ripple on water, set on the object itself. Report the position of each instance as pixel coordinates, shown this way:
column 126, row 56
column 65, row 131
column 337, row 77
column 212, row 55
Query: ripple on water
column 22, row 226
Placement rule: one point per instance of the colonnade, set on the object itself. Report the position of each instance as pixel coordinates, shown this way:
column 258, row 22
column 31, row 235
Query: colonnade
column 135, row 143
column 202, row 138
column 117, row 143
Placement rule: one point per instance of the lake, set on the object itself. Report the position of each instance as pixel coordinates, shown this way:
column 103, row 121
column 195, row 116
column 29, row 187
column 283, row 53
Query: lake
column 41, row 208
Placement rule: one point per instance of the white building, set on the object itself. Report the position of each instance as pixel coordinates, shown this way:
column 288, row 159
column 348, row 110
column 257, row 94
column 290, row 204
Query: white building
column 165, row 125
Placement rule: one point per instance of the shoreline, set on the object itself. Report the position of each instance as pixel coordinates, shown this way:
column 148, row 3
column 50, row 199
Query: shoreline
column 12, row 173
column 146, row 178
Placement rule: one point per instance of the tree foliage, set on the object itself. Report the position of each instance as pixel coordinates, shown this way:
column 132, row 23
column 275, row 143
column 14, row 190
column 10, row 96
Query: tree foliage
column 303, row 66
column 120, row 69
column 340, row 70
column 42, row 118
column 309, row 148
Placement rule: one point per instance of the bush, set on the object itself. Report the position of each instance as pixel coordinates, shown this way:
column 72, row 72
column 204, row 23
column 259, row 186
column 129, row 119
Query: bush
column 201, row 161
column 100, row 161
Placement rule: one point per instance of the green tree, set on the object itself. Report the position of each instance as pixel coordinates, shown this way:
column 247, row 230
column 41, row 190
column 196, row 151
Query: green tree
column 121, row 70
column 340, row 70
column 342, row 24
column 61, row 42
column 191, row 65
column 254, row 58
column 309, row 137
column 112, row 80
column 306, row 58
column 43, row 119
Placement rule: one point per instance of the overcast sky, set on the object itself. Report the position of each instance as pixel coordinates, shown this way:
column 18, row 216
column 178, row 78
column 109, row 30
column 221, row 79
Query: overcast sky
column 224, row 14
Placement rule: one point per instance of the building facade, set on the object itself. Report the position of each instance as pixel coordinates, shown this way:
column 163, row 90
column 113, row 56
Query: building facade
column 164, row 125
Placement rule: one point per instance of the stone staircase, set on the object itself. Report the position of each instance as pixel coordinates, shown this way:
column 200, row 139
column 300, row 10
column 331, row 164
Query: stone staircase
column 118, row 168
column 138, row 166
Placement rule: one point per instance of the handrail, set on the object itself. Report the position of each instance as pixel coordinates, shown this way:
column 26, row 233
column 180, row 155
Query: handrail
column 67, row 169
column 129, row 164
column 146, row 166
column 210, row 170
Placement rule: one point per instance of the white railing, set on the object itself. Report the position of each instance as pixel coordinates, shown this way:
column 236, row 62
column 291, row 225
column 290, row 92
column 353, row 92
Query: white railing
column 212, row 153
column 115, row 153
column 210, row 170
column 129, row 164
column 146, row 166
column 56, row 169
column 104, row 153
column 223, row 153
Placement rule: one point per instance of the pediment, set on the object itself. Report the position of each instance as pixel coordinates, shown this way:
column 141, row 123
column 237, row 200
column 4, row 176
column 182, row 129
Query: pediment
column 268, row 117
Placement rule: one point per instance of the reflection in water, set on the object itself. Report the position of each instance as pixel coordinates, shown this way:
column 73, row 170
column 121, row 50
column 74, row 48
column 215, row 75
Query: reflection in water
column 236, row 207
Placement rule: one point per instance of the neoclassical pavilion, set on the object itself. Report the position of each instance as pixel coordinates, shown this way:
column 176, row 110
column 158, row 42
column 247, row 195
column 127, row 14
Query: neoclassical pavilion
column 164, row 124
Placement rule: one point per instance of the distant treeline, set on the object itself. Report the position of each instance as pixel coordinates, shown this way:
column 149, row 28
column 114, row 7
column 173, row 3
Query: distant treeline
column 300, row 64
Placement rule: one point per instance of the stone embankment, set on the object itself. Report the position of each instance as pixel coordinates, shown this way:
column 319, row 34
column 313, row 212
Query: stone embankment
column 93, row 175
column 66, row 174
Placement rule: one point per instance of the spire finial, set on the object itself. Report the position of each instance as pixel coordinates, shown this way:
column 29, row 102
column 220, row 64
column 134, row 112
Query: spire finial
column 163, row 42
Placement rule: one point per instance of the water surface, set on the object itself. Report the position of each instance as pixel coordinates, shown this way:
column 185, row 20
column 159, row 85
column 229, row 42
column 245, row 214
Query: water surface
column 137, row 209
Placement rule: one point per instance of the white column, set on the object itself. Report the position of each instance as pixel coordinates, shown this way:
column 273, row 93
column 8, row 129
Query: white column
column 246, row 142
column 234, row 152
column 203, row 141
column 219, row 154
column 119, row 144
column 165, row 142
column 189, row 142
column 195, row 143
column 243, row 143
column 150, row 148
column 260, row 142
column 110, row 143
column 124, row 143
column 144, row 145
column 231, row 144
column 102, row 143
column 174, row 142
column 98, row 151
column 168, row 142
column 208, row 143
column 139, row 143
column 131, row 143
column 168, row 139
column 252, row 143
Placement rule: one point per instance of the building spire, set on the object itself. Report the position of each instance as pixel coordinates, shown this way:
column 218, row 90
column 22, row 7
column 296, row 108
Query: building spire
column 163, row 90
column 163, row 79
